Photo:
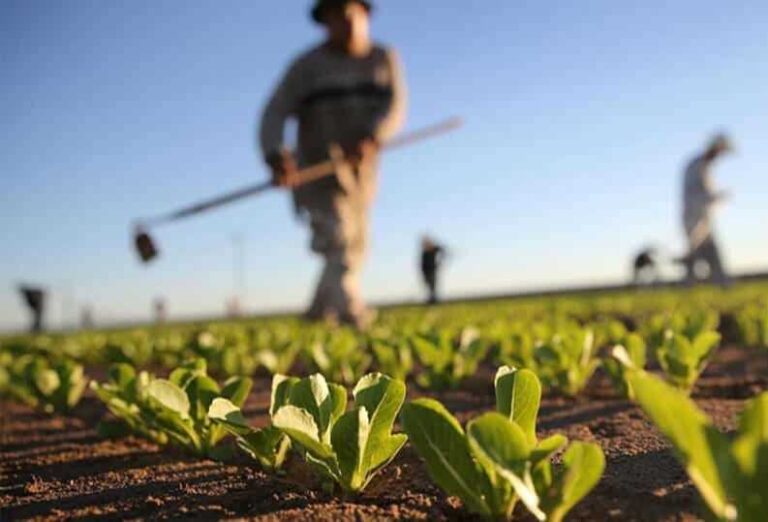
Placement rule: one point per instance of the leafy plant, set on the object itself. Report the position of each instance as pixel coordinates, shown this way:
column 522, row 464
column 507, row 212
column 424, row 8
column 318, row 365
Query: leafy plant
column 752, row 322
column 267, row 445
column 515, row 348
column 173, row 410
column 446, row 359
column 394, row 357
column 688, row 324
column 499, row 460
column 683, row 359
column 567, row 360
column 338, row 355
column 348, row 448
column 633, row 348
column 125, row 395
column 53, row 386
column 730, row 475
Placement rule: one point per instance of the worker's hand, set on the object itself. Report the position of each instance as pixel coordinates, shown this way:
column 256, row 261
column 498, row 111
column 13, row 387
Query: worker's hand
column 284, row 169
column 361, row 151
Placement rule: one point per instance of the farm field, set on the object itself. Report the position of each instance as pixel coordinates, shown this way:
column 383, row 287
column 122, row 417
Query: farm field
column 65, row 464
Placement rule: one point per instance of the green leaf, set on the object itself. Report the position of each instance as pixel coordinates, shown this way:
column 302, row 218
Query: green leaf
column 201, row 390
column 703, row 346
column 322, row 401
column 281, row 391
column 349, row 439
column 122, row 375
column 169, row 396
column 583, row 465
column 439, row 439
column 225, row 412
column 749, row 484
column 382, row 397
column 236, row 389
column 337, row 404
column 547, row 447
column 47, row 381
column 300, row 426
column 501, row 447
column 268, row 445
column 494, row 437
column 518, row 395
column 698, row 445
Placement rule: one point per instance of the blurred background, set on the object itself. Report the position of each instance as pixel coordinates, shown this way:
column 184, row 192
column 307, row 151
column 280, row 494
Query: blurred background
column 580, row 119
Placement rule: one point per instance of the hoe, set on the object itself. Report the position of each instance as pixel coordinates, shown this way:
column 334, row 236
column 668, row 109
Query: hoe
column 147, row 248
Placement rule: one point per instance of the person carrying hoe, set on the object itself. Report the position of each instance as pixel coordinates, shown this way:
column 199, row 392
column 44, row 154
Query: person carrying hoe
column 349, row 97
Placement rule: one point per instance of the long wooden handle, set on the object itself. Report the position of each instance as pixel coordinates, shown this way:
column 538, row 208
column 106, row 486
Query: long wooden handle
column 306, row 175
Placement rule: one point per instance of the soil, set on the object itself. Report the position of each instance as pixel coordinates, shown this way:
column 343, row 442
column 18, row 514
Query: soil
column 57, row 467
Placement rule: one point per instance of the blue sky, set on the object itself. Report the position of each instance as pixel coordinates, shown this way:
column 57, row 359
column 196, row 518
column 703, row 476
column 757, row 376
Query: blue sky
column 580, row 117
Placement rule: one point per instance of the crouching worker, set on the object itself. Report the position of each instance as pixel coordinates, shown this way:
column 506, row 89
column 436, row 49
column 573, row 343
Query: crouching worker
column 348, row 95
column 699, row 201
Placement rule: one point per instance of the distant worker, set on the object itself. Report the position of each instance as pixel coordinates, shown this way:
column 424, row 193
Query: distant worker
column 86, row 318
column 348, row 96
column 699, row 200
column 432, row 255
column 645, row 267
column 34, row 298
column 160, row 310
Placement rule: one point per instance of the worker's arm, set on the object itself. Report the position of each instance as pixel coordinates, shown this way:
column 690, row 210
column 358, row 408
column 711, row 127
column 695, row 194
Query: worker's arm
column 394, row 117
column 281, row 106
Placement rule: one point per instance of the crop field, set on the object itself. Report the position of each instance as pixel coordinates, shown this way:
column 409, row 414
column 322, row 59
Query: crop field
column 634, row 405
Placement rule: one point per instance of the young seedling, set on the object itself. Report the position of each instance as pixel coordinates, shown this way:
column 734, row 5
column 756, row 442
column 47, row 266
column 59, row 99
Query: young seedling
column 176, row 408
column 348, row 448
column 730, row 474
column 50, row 386
column 499, row 460
column 447, row 359
column 339, row 355
column 631, row 348
column 394, row 356
column 269, row 446
column 683, row 359
column 752, row 322
column 567, row 361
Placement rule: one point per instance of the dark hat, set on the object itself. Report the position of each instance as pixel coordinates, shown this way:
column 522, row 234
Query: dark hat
column 321, row 5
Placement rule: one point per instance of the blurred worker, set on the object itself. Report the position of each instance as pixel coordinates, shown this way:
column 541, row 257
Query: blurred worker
column 644, row 267
column 160, row 310
column 34, row 298
column 86, row 317
column 349, row 96
column 699, row 200
column 432, row 255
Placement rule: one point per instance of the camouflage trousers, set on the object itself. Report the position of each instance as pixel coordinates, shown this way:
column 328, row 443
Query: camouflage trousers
column 339, row 225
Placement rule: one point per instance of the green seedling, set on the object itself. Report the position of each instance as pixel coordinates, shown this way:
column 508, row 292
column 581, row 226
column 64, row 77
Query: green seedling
column 40, row 383
column 268, row 445
column 567, row 361
column 171, row 410
column 631, row 348
column 447, row 360
column 348, row 448
column 499, row 461
column 731, row 474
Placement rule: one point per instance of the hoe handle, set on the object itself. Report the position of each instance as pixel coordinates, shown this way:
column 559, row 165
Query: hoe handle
column 306, row 175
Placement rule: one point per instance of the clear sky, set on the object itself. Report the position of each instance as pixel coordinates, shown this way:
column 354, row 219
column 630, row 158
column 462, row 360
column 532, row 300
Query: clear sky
column 580, row 117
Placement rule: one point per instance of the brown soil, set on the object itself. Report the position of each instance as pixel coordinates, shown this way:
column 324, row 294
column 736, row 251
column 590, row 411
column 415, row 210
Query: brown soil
column 56, row 467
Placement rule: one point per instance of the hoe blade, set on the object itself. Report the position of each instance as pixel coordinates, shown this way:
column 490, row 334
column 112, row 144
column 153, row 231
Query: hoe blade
column 145, row 246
